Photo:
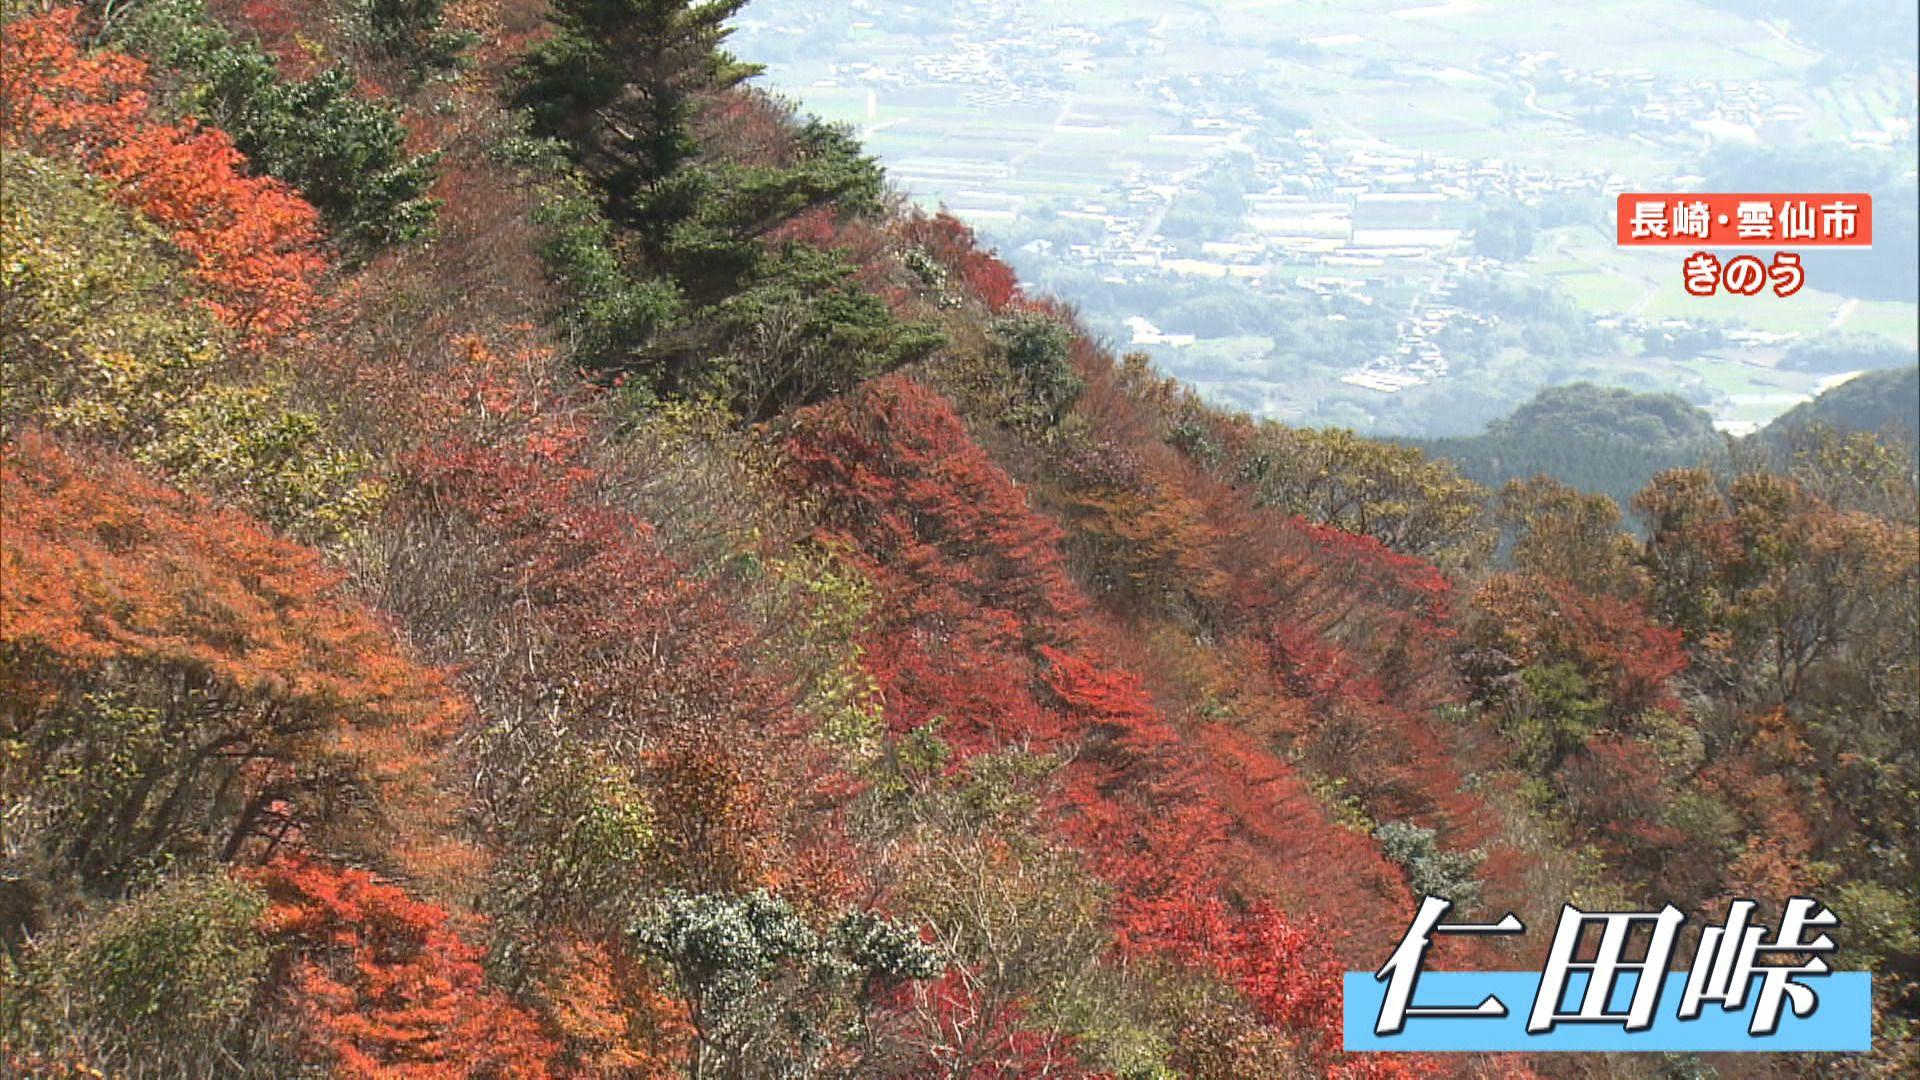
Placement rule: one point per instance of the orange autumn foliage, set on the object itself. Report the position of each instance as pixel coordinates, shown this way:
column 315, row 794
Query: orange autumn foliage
column 252, row 241
column 615, row 1017
column 388, row 990
column 109, row 578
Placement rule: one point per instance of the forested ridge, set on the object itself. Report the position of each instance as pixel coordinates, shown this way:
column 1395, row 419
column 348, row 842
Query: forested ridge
column 1874, row 401
column 521, row 556
column 1597, row 438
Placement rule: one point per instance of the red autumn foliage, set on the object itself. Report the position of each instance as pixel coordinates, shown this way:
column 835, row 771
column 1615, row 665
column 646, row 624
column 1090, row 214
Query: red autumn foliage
column 106, row 566
column 297, row 36
column 1617, row 791
column 1616, row 786
column 1613, row 642
column 1108, row 706
column 251, row 240
column 1397, row 763
column 818, row 227
column 1291, row 851
column 951, row 244
column 746, row 126
column 869, row 248
column 979, row 626
column 592, row 577
column 1367, row 569
column 1287, row 973
column 612, row 638
column 386, row 988
column 1136, row 539
column 1312, row 667
column 1339, row 644
column 945, row 528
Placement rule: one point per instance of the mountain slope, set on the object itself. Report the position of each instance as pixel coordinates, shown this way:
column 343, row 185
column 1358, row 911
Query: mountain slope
column 1599, row 439
column 680, row 612
column 1879, row 402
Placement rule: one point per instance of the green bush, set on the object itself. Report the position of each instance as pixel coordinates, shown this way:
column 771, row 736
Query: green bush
column 163, row 984
column 576, row 840
column 661, row 236
column 1037, row 348
column 100, row 338
column 1556, row 715
column 413, row 31
column 762, row 987
column 826, row 604
column 346, row 155
column 614, row 314
column 1880, row 925
column 245, row 442
column 800, row 329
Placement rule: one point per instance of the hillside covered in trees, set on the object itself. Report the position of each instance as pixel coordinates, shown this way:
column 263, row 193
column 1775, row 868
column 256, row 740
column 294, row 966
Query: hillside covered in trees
column 1877, row 402
column 1597, row 438
column 522, row 557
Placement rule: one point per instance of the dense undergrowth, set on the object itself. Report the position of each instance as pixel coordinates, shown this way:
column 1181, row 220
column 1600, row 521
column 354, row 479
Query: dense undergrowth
column 523, row 558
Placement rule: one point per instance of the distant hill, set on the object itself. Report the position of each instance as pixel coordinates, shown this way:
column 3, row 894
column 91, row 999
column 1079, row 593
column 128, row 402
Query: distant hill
column 1886, row 402
column 1597, row 438
column 1832, row 354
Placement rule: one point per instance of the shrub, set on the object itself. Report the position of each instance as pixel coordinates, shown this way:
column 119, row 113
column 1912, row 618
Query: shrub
column 1431, row 871
column 346, row 154
column 762, row 986
column 109, row 347
column 163, row 983
column 1036, row 347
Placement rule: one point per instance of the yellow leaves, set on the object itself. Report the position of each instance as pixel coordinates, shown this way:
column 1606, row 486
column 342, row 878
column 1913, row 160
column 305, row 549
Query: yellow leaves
column 245, row 440
column 1564, row 533
column 104, row 343
column 1394, row 494
column 1770, row 582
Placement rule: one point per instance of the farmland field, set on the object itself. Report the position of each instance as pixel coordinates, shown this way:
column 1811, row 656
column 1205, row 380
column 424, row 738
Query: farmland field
column 1112, row 147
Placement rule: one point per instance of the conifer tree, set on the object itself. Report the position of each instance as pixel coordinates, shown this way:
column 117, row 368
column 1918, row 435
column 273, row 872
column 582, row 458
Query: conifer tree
column 619, row 82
